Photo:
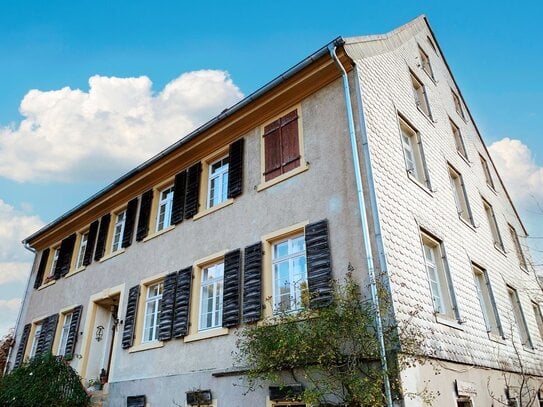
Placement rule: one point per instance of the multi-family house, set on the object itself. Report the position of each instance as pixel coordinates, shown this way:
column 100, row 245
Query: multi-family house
column 363, row 156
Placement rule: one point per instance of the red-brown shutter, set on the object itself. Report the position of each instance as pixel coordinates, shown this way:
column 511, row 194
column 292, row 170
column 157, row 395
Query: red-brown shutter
column 290, row 146
column 272, row 150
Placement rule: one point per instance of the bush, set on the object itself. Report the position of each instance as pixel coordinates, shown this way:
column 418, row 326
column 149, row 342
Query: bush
column 44, row 381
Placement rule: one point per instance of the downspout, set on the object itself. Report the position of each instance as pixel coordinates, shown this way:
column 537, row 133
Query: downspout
column 364, row 227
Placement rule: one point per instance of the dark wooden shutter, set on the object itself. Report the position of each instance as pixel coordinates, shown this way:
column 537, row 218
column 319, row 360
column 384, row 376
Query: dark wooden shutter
column 235, row 168
column 193, row 190
column 145, row 214
column 272, row 150
column 231, row 289
column 102, row 237
column 22, row 346
column 319, row 266
column 130, row 317
column 73, row 333
column 47, row 335
column 91, row 241
column 129, row 222
column 167, row 308
column 41, row 268
column 252, row 283
column 182, row 303
column 136, row 401
column 290, row 145
column 65, row 256
column 178, row 202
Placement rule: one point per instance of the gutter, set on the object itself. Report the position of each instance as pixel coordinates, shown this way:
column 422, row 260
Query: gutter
column 364, row 224
column 195, row 133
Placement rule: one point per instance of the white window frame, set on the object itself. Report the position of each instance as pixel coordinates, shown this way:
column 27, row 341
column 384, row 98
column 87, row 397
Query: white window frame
column 35, row 339
column 425, row 63
column 217, row 287
column 458, row 105
column 420, row 95
column 486, row 171
column 414, row 154
column 486, row 300
column 538, row 318
column 518, row 315
column 518, row 247
column 458, row 140
column 297, row 288
column 56, row 253
column 64, row 333
column 152, row 310
column 493, row 225
column 82, row 248
column 460, row 195
column 165, row 205
column 219, row 194
column 118, row 231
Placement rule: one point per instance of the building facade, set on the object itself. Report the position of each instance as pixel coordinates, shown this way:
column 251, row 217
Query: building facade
column 147, row 282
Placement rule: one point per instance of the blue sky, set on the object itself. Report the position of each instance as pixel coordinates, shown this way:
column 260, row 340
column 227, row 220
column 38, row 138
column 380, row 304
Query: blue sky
column 495, row 50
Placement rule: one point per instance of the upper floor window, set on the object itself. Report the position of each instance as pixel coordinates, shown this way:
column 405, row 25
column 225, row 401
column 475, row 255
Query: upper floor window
column 153, row 305
column 81, row 253
column 217, row 187
column 118, row 231
column 486, row 299
column 460, row 195
column 65, row 331
column 164, row 214
column 491, row 217
column 413, row 154
column 421, row 98
column 519, row 317
column 282, row 145
column 538, row 318
column 425, row 63
column 211, row 296
column 458, row 140
column 56, row 253
column 518, row 247
column 289, row 277
column 458, row 105
column 486, row 171
column 35, row 339
column 440, row 285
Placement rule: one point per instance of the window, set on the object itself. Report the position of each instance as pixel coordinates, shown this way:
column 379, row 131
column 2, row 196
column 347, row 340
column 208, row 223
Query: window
column 118, row 231
column 64, row 333
column 498, row 243
column 35, row 339
column 458, row 140
column 153, row 305
column 518, row 247
column 458, row 105
column 440, row 286
column 538, row 318
column 464, row 403
column 282, row 145
column 211, row 296
column 82, row 247
column 217, row 185
column 289, row 274
column 460, row 196
column 164, row 213
column 413, row 154
column 486, row 171
column 519, row 317
column 486, row 299
column 431, row 44
column 425, row 63
column 421, row 99
column 56, row 253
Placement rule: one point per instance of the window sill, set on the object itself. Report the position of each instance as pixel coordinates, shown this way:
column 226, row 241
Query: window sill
column 210, row 333
column 493, row 189
column 428, row 116
column 463, row 117
column 420, row 184
column 207, row 211
column 528, row 349
column 445, row 320
column 159, row 233
column 500, row 249
column 79, row 270
column 464, row 157
column 266, row 184
column 429, row 76
column 496, row 338
column 111, row 255
column 467, row 223
column 146, row 346
column 50, row 283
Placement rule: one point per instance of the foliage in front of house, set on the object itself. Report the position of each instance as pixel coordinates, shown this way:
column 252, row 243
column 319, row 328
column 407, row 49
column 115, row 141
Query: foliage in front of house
column 45, row 380
column 333, row 351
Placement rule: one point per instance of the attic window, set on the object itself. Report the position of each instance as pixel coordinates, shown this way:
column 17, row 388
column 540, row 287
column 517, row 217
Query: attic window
column 432, row 44
column 425, row 63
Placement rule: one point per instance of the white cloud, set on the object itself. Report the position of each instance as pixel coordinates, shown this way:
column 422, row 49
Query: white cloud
column 14, row 272
column 69, row 134
column 8, row 314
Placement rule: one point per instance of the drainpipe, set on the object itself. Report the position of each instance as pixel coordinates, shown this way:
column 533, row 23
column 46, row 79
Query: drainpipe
column 364, row 227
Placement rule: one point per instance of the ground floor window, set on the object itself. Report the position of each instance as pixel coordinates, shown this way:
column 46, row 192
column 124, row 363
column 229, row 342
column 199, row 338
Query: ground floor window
column 464, row 403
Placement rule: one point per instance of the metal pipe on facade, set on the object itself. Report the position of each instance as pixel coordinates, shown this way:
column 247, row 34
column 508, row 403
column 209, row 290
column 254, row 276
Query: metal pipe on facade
column 364, row 227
